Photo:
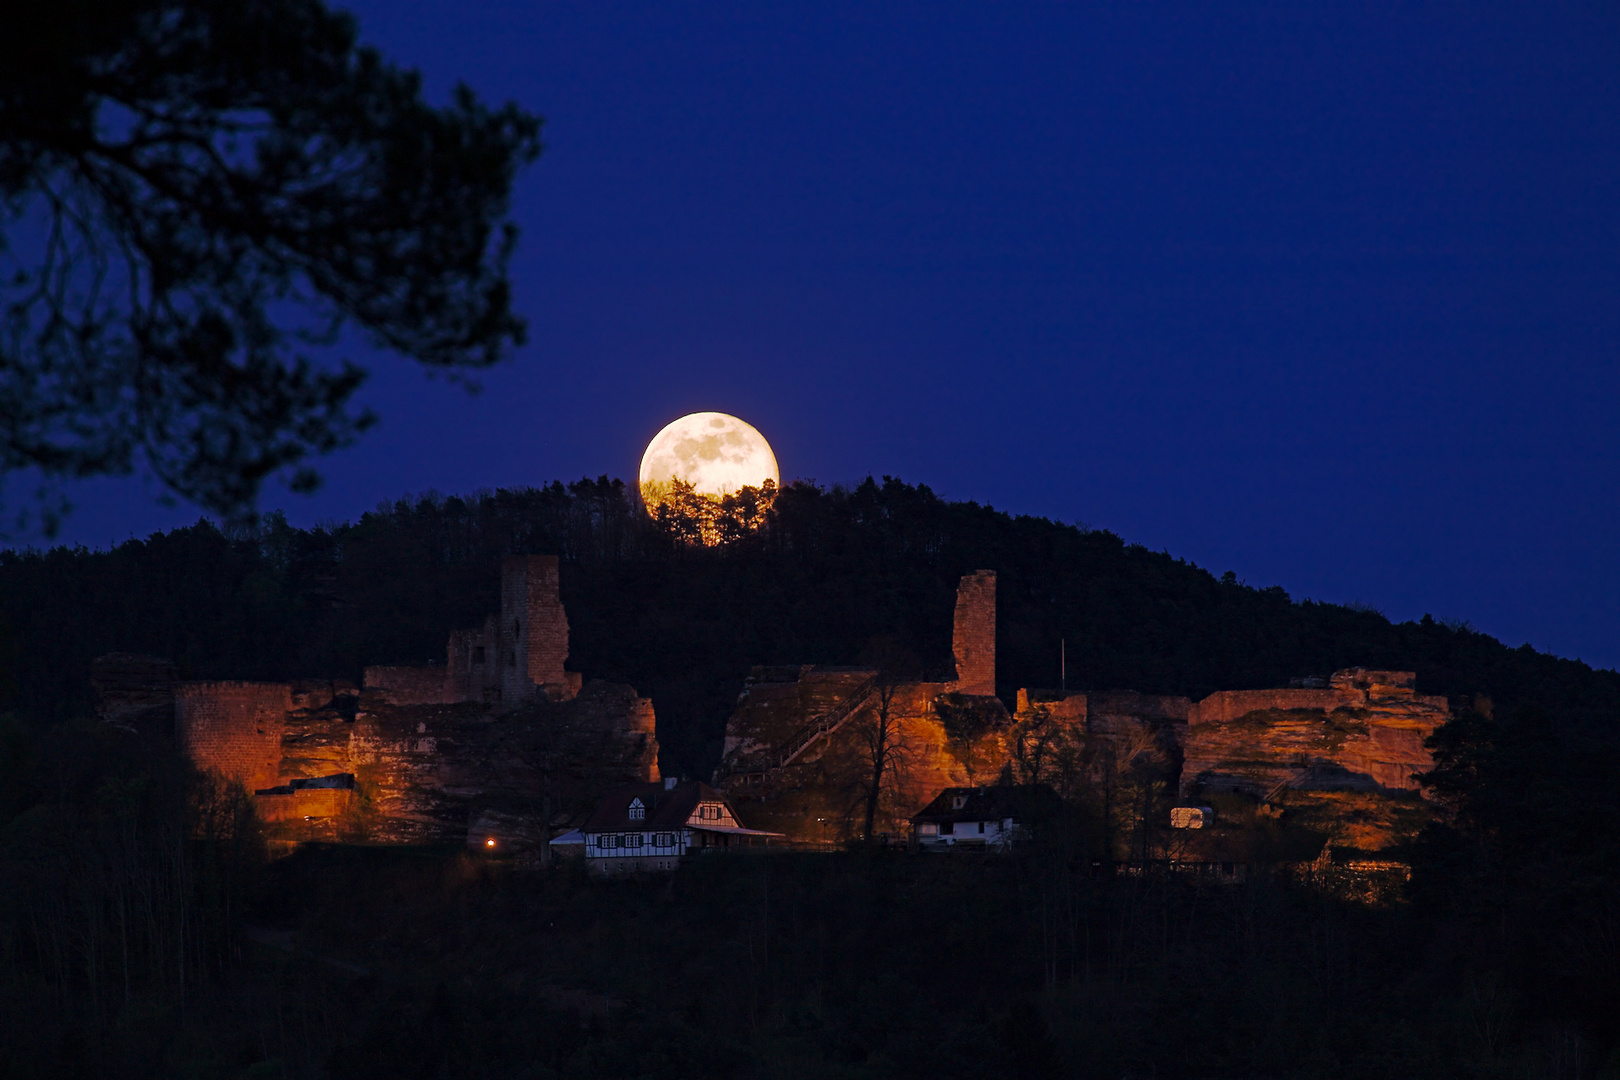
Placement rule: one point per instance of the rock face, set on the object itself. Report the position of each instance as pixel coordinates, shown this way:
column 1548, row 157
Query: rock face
column 1364, row 732
column 819, row 794
column 420, row 754
column 134, row 692
column 800, row 749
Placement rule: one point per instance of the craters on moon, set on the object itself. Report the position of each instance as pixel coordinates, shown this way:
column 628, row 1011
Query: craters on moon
column 717, row 454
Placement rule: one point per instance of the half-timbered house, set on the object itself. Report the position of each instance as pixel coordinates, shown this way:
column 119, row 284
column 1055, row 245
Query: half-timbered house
column 642, row 828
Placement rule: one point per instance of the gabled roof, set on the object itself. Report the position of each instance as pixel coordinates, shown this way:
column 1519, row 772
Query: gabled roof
column 1022, row 803
column 665, row 809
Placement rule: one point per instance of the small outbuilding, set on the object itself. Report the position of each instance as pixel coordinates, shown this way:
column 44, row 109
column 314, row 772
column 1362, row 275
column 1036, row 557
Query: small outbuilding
column 963, row 818
column 643, row 828
column 1192, row 817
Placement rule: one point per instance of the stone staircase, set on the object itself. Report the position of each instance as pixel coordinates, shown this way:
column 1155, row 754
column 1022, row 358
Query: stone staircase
column 802, row 740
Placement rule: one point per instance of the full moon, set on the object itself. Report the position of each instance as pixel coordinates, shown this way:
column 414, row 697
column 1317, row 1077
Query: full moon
column 717, row 454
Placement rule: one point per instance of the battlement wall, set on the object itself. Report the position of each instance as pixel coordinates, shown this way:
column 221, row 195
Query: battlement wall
column 233, row 728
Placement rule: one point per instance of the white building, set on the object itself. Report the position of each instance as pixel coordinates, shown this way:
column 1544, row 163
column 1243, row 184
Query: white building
column 980, row 817
column 642, row 828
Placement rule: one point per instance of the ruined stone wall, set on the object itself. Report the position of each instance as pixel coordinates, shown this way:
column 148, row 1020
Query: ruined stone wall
column 233, row 728
column 472, row 668
column 1227, row 705
column 973, row 636
column 533, row 631
column 1067, row 709
column 411, row 685
column 304, row 803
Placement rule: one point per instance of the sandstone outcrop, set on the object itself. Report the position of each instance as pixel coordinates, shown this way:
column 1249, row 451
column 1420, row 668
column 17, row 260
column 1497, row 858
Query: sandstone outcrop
column 417, row 754
column 134, row 692
column 800, row 747
column 1364, row 732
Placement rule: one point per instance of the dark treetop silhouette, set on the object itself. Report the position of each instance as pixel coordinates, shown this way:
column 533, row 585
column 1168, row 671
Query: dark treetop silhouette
column 193, row 197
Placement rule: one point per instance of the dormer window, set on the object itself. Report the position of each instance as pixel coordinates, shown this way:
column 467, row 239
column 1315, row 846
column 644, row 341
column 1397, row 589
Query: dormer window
column 958, row 801
column 637, row 811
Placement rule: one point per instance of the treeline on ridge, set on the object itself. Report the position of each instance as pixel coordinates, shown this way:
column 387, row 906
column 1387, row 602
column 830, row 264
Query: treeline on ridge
column 830, row 571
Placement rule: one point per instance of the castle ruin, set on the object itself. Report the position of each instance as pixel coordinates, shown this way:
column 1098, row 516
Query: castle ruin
column 495, row 744
column 799, row 747
column 502, row 742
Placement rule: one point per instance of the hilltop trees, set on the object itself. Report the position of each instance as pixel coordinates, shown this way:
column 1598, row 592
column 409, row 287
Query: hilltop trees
column 830, row 570
column 196, row 196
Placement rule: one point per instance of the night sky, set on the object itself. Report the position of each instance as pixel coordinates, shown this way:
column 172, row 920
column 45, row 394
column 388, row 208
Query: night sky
column 1324, row 295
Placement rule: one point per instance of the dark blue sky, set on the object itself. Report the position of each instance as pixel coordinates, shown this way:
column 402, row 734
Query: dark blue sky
column 1323, row 295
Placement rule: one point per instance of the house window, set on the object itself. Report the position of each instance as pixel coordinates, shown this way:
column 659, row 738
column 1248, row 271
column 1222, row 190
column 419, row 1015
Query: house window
column 608, row 842
column 927, row 830
column 632, row 839
column 637, row 811
column 958, row 801
column 947, row 828
column 666, row 839
column 981, row 827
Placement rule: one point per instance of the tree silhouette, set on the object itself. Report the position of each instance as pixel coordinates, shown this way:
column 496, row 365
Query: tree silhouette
column 194, row 197
column 885, row 752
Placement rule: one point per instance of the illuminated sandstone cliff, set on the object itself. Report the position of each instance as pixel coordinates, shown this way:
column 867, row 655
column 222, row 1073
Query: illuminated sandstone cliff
column 503, row 732
column 800, row 748
column 1364, row 732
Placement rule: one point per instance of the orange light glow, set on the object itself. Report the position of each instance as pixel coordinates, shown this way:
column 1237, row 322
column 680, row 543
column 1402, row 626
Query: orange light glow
column 490, row 842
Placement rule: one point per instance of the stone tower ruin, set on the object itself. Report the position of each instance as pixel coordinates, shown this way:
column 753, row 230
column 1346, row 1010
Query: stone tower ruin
column 534, row 630
column 973, row 638
column 519, row 654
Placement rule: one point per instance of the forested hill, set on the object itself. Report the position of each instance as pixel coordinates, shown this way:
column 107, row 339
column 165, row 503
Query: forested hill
column 832, row 571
